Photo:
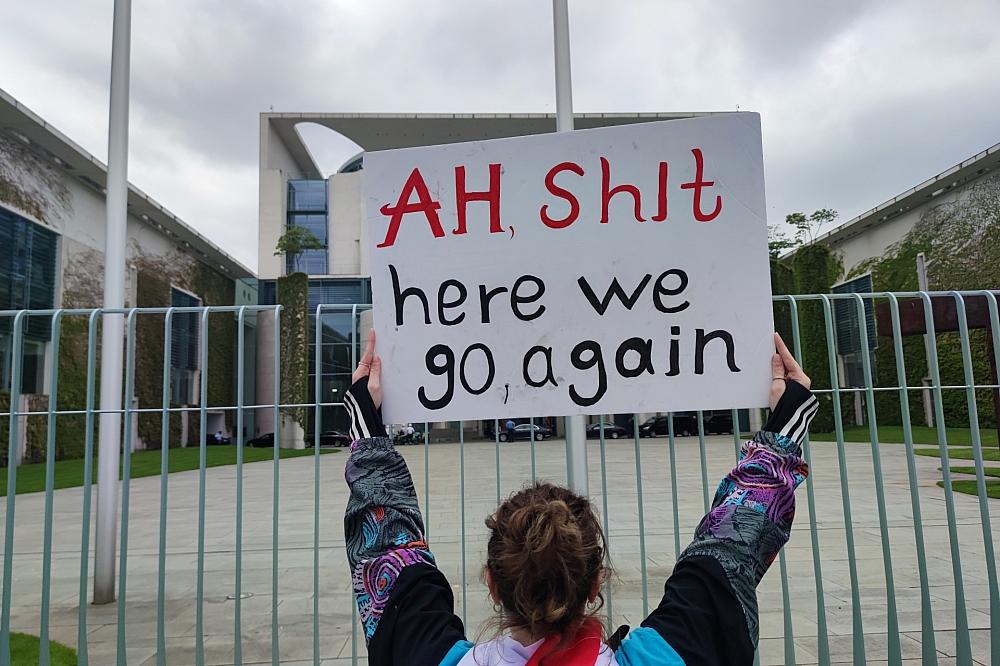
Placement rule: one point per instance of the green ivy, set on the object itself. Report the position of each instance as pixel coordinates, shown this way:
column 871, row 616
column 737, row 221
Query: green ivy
column 36, row 429
column 215, row 289
column 816, row 269
column 292, row 295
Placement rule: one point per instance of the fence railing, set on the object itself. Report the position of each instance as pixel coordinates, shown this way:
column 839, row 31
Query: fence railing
column 245, row 564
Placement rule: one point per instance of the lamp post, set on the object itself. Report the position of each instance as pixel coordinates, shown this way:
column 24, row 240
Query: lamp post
column 116, row 207
column 576, row 432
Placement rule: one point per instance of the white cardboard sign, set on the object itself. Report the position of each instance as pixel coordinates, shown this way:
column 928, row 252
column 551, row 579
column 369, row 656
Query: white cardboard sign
column 614, row 270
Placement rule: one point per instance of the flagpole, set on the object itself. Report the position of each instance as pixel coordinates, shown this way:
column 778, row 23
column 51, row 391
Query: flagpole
column 576, row 427
column 116, row 202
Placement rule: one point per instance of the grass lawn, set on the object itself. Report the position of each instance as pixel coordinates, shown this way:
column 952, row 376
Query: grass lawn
column 69, row 473
column 921, row 435
column 969, row 488
column 24, row 651
column 988, row 471
column 962, row 453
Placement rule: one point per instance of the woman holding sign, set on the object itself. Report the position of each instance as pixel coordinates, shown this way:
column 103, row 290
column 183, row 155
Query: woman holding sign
column 546, row 555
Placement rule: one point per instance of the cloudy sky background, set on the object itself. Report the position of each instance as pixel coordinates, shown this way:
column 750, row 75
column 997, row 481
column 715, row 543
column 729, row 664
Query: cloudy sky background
column 859, row 100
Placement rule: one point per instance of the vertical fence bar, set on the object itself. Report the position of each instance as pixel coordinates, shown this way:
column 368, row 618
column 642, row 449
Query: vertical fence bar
column 963, row 642
column 703, row 461
column 317, row 427
column 735, row 416
column 671, row 445
column 126, row 482
column 275, row 481
column 238, row 592
column 642, row 524
column 928, row 646
column 82, row 652
column 892, row 617
column 161, row 575
column 199, row 638
column 355, row 323
column 496, row 444
column 786, row 611
column 845, row 494
column 607, row 529
column 994, row 331
column 461, row 490
column 50, row 478
column 531, row 438
column 427, row 481
column 17, row 361
column 822, row 632
column 977, row 454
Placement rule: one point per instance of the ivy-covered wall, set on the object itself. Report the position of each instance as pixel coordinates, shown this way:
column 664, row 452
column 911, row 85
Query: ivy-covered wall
column 36, row 429
column 815, row 270
column 961, row 242
column 215, row 289
column 292, row 295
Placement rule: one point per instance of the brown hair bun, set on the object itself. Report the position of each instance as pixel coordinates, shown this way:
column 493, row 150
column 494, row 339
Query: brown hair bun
column 545, row 556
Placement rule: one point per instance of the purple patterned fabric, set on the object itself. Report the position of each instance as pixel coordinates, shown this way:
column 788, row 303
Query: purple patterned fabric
column 374, row 579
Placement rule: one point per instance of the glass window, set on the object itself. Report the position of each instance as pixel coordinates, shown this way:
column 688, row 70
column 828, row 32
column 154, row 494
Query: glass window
column 306, row 195
column 307, row 209
column 184, row 347
column 848, row 328
column 28, row 255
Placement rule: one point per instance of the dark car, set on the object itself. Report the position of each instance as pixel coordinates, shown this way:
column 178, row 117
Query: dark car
column 265, row 440
column 329, row 438
column 684, row 425
column 611, row 431
column 526, row 431
column 719, row 424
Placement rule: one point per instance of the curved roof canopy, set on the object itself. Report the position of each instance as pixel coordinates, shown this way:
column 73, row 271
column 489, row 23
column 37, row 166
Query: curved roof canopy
column 384, row 131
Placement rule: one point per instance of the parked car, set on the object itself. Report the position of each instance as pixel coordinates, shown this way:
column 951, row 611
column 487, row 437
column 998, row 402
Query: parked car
column 611, row 431
column 264, row 440
column 684, row 425
column 328, row 438
column 527, row 431
column 719, row 424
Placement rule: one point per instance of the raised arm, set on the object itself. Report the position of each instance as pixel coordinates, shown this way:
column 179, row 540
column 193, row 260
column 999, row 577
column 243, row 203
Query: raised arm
column 709, row 609
column 405, row 603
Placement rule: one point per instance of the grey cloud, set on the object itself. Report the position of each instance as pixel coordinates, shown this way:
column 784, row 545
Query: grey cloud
column 859, row 100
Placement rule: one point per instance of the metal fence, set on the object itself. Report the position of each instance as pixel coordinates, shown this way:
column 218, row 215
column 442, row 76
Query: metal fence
column 245, row 564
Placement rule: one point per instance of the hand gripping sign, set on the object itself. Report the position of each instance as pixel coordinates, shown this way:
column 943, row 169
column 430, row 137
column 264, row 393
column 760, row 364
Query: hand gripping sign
column 614, row 270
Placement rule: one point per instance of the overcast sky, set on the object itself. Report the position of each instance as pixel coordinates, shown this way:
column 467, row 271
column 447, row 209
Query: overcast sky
column 859, row 100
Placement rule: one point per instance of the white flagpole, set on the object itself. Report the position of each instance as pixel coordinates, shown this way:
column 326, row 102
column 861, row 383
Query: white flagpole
column 114, row 297
column 576, row 427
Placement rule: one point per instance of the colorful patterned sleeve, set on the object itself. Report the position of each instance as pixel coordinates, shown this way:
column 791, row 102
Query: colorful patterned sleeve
column 394, row 575
column 751, row 516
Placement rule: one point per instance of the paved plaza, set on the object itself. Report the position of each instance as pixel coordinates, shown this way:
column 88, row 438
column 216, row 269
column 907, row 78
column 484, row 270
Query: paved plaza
column 445, row 512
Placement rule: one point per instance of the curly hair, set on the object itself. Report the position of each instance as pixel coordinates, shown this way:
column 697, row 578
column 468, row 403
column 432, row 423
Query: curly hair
column 545, row 557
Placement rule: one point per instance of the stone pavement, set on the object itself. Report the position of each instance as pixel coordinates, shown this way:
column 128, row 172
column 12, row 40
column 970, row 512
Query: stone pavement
column 445, row 511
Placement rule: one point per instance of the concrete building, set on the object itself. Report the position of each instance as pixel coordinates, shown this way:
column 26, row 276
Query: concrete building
column 52, row 238
column 941, row 234
column 870, row 234
column 295, row 192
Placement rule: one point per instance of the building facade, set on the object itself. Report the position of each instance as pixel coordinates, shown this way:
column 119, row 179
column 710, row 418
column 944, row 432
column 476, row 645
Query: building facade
column 52, row 239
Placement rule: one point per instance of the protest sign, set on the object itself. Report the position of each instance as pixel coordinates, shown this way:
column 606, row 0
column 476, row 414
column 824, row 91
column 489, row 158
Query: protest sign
column 613, row 270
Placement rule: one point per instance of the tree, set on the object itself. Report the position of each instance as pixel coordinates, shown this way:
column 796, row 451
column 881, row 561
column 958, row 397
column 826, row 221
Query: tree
column 778, row 241
column 807, row 228
column 295, row 241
